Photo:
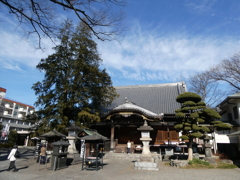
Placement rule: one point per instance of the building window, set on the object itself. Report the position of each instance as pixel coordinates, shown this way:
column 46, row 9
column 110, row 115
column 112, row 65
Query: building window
column 235, row 112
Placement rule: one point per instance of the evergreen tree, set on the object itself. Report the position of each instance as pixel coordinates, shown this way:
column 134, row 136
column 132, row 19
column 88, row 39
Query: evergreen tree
column 73, row 79
column 192, row 115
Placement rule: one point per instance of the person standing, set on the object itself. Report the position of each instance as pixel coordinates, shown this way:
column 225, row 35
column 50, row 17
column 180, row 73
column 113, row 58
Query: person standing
column 12, row 159
column 129, row 144
column 43, row 154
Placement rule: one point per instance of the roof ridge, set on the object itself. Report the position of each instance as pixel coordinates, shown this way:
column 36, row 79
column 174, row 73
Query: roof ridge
column 149, row 85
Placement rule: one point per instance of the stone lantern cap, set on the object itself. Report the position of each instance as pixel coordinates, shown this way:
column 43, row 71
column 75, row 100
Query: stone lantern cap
column 145, row 127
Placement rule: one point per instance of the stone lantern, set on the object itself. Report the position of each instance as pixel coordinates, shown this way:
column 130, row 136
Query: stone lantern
column 72, row 137
column 145, row 138
column 147, row 161
column 207, row 145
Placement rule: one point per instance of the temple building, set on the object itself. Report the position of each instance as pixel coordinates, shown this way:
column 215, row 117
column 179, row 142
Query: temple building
column 154, row 103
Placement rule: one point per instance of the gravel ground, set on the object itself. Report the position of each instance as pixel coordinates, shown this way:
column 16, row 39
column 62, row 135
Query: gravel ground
column 113, row 169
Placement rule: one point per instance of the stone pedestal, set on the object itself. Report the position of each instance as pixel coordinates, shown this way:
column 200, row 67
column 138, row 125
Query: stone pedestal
column 146, row 166
column 72, row 148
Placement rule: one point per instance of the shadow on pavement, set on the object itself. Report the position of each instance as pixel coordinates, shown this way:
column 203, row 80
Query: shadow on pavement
column 25, row 167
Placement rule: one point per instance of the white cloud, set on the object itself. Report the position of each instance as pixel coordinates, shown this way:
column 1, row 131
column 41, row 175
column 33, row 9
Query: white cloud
column 150, row 56
column 16, row 51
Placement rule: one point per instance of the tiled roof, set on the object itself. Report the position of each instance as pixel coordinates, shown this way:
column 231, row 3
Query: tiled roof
column 157, row 98
column 233, row 96
column 128, row 106
column 53, row 133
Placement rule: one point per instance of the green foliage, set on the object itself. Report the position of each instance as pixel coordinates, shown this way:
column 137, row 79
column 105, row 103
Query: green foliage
column 180, row 114
column 85, row 117
column 204, row 129
column 211, row 114
column 196, row 135
column 188, row 96
column 216, row 122
column 222, row 126
column 194, row 115
column 12, row 137
column 201, row 103
column 198, row 161
column 222, row 165
column 189, row 103
column 6, row 145
column 184, row 137
column 193, row 112
column 178, row 110
column 195, row 127
column 178, row 126
column 187, row 124
column 200, row 120
column 73, row 79
column 62, row 129
column 187, row 128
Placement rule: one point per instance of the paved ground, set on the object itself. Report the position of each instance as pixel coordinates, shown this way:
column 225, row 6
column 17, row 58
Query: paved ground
column 114, row 169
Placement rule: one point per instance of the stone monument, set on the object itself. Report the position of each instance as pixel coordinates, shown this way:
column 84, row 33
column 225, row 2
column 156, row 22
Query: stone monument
column 147, row 161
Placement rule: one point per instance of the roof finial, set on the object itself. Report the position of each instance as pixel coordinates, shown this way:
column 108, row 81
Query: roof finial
column 126, row 100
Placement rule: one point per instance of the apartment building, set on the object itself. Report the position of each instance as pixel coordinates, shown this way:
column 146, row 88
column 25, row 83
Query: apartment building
column 12, row 114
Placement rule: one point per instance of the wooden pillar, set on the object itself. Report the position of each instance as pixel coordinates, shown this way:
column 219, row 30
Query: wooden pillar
column 112, row 145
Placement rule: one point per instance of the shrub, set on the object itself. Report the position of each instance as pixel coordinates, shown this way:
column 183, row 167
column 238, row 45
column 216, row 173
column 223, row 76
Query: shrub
column 12, row 137
column 198, row 161
column 6, row 145
column 226, row 166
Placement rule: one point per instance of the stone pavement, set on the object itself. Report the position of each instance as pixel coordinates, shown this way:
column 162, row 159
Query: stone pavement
column 113, row 169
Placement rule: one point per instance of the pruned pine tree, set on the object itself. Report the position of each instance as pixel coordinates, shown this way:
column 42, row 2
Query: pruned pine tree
column 73, row 79
column 191, row 117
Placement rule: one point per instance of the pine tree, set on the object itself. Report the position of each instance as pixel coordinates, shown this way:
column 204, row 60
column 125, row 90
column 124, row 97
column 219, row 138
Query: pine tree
column 191, row 117
column 73, row 79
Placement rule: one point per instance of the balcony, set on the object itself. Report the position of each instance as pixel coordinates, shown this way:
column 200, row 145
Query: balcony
column 7, row 113
column 9, row 106
column 31, row 111
column 22, row 110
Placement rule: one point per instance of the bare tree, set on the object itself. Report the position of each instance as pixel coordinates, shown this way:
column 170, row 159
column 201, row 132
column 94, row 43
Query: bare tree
column 103, row 17
column 206, row 87
column 206, row 84
column 228, row 71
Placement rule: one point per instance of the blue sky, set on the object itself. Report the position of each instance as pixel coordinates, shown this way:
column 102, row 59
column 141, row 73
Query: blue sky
column 166, row 41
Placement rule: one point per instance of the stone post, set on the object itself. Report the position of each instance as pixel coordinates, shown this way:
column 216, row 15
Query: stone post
column 112, row 145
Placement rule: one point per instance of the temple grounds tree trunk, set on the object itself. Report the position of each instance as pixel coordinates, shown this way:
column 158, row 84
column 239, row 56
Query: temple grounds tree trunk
column 191, row 117
column 73, row 80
